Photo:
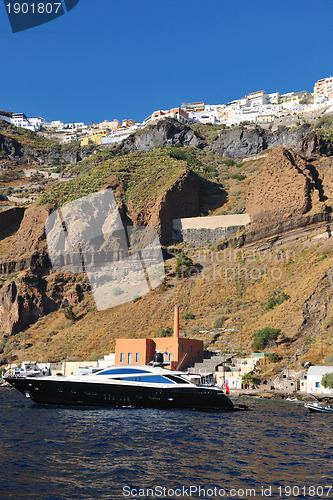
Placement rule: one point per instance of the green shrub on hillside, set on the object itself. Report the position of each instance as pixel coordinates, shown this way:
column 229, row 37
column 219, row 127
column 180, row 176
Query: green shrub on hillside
column 229, row 162
column 275, row 300
column 265, row 336
column 164, row 332
column 325, row 122
column 9, row 176
column 187, row 316
column 239, row 177
column 183, row 266
column 274, row 357
column 142, row 175
column 218, row 323
column 70, row 314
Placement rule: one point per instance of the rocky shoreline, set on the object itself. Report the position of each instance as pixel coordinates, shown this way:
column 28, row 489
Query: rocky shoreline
column 300, row 396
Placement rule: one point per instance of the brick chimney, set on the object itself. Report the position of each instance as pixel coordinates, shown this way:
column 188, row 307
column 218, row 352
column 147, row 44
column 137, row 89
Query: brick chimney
column 176, row 323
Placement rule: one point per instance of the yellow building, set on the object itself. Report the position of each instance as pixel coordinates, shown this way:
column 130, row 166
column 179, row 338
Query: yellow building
column 95, row 137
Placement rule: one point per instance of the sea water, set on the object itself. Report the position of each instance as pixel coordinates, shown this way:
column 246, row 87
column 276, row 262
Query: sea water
column 276, row 450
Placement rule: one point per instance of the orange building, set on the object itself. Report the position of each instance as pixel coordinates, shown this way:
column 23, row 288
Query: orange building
column 179, row 352
column 177, row 113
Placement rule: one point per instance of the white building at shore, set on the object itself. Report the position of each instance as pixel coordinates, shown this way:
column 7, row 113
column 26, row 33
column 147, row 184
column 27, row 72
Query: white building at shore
column 314, row 378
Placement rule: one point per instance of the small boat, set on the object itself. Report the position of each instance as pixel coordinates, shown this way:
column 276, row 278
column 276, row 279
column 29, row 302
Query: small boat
column 124, row 386
column 317, row 407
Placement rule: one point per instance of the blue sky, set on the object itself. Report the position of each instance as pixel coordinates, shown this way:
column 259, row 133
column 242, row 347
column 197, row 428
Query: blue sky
column 109, row 59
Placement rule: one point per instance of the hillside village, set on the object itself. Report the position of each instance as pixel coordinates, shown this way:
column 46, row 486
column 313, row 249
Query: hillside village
column 258, row 107
column 241, row 197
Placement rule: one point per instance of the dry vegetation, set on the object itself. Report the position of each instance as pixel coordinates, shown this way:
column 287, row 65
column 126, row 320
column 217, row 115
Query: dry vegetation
column 231, row 291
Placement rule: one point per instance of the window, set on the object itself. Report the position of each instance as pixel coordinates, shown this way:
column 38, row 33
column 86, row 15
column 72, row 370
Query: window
column 122, row 357
column 176, row 379
column 170, row 356
column 129, row 358
column 191, row 349
column 181, row 348
column 191, row 361
column 199, row 356
column 317, row 384
column 121, row 371
column 137, row 357
column 150, row 379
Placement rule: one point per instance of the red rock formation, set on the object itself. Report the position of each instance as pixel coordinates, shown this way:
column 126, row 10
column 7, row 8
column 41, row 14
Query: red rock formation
column 285, row 186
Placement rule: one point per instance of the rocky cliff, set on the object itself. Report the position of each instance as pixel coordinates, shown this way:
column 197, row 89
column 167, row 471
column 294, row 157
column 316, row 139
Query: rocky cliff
column 286, row 186
column 242, row 142
column 164, row 133
column 24, row 146
column 181, row 199
column 32, row 295
column 237, row 142
column 28, row 249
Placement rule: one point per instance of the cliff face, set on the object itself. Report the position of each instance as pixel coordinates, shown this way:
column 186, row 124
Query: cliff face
column 164, row 133
column 317, row 307
column 285, row 186
column 180, row 200
column 11, row 147
column 233, row 143
column 24, row 146
column 239, row 143
column 29, row 246
column 31, row 296
column 35, row 292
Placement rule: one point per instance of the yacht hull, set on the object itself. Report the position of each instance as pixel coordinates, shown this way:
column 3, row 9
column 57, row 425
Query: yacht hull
column 63, row 392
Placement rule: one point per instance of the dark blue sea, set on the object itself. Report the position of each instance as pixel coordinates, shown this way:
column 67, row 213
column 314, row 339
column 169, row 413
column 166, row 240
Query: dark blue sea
column 277, row 450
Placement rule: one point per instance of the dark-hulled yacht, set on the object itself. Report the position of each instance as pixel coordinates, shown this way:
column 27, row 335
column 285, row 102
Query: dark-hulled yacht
column 123, row 386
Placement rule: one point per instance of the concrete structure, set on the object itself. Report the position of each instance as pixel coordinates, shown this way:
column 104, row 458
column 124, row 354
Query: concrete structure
column 200, row 231
column 257, row 98
column 314, row 377
column 178, row 352
column 273, row 98
column 113, row 139
column 290, row 381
